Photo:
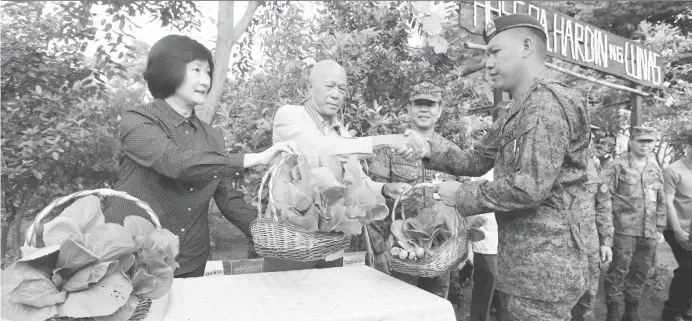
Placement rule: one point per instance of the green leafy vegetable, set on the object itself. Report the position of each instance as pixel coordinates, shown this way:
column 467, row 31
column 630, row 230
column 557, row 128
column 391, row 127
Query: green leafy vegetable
column 285, row 195
column 139, row 227
column 166, row 245
column 143, row 282
column 87, row 213
column 126, row 262
column 73, row 255
column 341, row 223
column 152, row 263
column 323, row 178
column 308, row 222
column 334, row 165
column 311, row 190
column 104, row 298
column 30, row 286
column 359, row 196
column 333, row 195
column 427, row 231
column 60, row 229
column 123, row 313
column 44, row 257
column 90, row 268
column 376, row 213
column 353, row 172
column 24, row 312
column 447, row 215
column 109, row 241
column 89, row 275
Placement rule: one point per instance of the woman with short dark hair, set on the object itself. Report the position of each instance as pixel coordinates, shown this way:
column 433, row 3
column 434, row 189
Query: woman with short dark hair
column 177, row 163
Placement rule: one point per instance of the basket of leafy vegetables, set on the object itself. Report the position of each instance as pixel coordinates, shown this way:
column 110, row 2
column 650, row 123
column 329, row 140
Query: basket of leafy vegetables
column 431, row 243
column 77, row 267
column 315, row 205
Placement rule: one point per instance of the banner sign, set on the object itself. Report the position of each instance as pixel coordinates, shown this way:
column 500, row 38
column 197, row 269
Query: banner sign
column 574, row 41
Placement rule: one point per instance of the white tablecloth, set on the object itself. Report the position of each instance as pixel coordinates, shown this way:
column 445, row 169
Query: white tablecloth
column 343, row 293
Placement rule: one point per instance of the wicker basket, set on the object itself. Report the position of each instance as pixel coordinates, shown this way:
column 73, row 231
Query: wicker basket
column 450, row 254
column 279, row 239
column 144, row 304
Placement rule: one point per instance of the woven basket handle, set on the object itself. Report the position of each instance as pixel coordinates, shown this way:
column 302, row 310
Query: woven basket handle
column 269, row 176
column 32, row 231
column 396, row 202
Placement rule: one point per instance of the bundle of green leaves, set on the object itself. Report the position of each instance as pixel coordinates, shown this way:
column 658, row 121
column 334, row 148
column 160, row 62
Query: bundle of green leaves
column 89, row 268
column 322, row 194
column 423, row 235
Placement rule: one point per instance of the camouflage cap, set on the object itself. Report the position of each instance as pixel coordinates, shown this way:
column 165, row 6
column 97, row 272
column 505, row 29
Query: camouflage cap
column 594, row 127
column 502, row 23
column 427, row 91
column 642, row 132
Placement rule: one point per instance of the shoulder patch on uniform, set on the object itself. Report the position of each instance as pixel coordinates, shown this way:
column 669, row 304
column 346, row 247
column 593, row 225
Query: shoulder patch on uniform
column 603, row 188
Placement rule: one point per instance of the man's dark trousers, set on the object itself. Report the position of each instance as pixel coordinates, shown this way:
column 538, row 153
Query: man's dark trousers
column 484, row 269
column 680, row 293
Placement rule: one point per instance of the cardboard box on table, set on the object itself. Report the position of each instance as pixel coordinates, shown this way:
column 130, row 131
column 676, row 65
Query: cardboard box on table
column 249, row 266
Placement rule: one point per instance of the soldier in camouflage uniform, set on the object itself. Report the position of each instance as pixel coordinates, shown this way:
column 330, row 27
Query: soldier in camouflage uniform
column 540, row 154
column 636, row 184
column 388, row 167
column 598, row 234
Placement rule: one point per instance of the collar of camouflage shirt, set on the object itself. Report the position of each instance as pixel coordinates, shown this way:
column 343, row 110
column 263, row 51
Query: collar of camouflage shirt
column 630, row 160
column 516, row 107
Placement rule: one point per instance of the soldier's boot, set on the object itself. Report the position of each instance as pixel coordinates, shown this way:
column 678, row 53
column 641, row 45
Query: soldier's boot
column 631, row 311
column 613, row 313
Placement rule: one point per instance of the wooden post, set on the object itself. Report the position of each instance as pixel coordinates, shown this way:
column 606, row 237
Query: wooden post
column 636, row 114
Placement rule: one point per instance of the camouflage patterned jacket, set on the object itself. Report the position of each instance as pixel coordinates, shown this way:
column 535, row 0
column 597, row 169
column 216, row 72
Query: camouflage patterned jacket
column 599, row 219
column 540, row 152
column 387, row 167
column 638, row 201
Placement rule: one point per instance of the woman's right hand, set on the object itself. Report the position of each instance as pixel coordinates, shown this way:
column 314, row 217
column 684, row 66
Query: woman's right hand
column 267, row 156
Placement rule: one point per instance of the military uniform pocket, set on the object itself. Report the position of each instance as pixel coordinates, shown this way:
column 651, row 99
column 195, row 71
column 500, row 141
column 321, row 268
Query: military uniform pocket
column 512, row 142
column 627, row 184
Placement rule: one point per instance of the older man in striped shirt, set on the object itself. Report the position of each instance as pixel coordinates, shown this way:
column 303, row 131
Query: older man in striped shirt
column 316, row 127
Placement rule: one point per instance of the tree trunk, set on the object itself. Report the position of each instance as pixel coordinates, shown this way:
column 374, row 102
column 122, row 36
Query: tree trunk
column 226, row 37
column 27, row 196
column 7, row 219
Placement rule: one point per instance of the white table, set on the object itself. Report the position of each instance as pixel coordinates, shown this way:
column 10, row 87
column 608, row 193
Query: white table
column 343, row 293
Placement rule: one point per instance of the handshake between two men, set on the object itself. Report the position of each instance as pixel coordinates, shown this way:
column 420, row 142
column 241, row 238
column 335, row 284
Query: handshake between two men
column 410, row 146
column 413, row 147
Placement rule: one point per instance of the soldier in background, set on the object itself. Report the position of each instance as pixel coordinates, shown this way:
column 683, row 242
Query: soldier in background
column 539, row 154
column 598, row 233
column 388, row 167
column 636, row 184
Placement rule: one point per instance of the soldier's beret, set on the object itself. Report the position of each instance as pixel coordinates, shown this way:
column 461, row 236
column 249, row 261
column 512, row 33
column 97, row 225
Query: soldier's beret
column 427, row 91
column 502, row 23
column 642, row 132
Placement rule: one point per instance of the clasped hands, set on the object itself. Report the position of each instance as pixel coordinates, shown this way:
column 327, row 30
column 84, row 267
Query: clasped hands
column 410, row 145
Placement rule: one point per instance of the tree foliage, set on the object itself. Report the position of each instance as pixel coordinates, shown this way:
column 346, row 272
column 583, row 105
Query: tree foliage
column 59, row 107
